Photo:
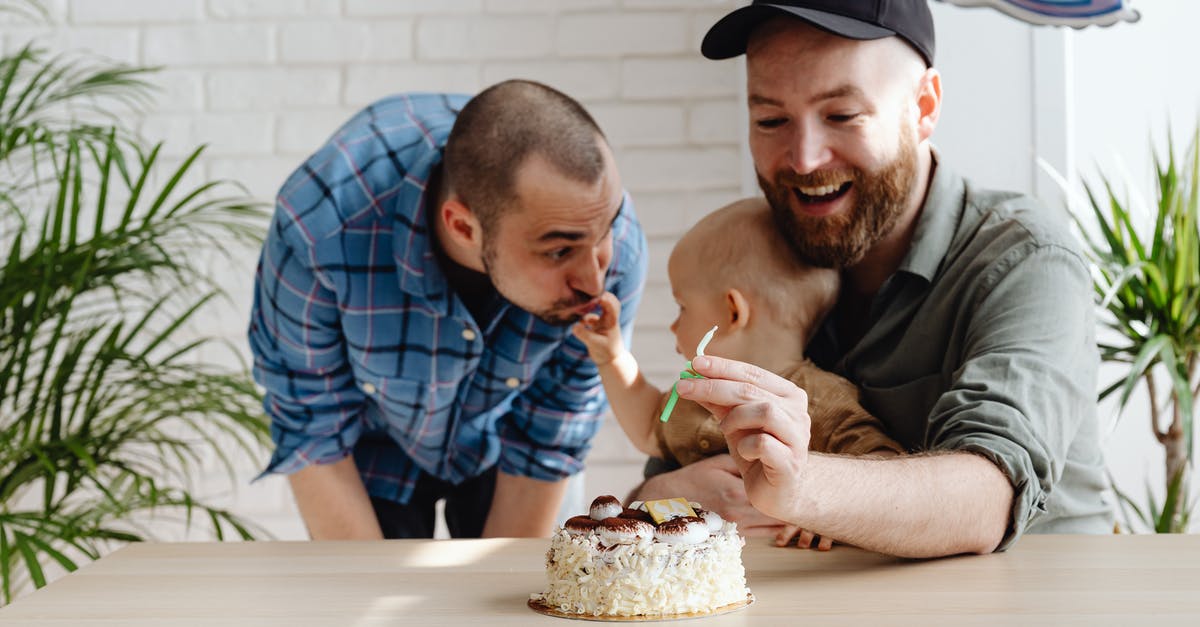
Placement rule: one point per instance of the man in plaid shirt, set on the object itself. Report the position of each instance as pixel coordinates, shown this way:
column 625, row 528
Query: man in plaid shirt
column 412, row 312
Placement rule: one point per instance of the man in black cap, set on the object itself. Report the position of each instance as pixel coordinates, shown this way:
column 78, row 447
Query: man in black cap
column 965, row 315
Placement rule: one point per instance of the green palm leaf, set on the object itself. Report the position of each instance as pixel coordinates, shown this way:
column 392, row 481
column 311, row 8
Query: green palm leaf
column 1150, row 293
column 105, row 406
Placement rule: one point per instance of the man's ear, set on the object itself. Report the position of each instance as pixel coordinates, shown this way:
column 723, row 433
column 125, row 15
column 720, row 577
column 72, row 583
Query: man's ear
column 929, row 103
column 738, row 309
column 462, row 226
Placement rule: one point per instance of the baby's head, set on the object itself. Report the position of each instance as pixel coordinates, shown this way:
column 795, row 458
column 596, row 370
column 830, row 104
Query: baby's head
column 735, row 270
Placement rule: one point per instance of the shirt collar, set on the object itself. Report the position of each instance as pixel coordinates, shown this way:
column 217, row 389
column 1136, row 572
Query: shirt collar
column 416, row 260
column 937, row 223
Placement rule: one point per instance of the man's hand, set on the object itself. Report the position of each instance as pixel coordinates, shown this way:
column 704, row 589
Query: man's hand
column 601, row 332
column 713, row 482
column 765, row 421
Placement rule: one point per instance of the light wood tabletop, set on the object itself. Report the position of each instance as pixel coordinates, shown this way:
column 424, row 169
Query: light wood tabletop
column 1046, row 580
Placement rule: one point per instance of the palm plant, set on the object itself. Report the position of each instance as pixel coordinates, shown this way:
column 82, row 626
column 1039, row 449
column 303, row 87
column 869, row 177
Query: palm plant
column 1148, row 283
column 106, row 409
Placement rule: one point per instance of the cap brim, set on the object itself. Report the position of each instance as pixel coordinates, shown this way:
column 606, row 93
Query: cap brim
column 727, row 38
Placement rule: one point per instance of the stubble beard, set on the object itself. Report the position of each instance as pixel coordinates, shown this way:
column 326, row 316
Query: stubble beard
column 559, row 313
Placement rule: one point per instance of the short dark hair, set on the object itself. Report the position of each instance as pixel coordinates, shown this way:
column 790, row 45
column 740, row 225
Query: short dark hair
column 504, row 125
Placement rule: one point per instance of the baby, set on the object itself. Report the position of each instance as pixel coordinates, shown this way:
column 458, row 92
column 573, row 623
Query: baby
column 734, row 270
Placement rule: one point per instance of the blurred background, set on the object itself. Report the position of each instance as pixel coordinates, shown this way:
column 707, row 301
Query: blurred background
column 264, row 82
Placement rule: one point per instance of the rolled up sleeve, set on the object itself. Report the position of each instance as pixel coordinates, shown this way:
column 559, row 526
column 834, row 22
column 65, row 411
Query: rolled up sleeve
column 300, row 357
column 1028, row 379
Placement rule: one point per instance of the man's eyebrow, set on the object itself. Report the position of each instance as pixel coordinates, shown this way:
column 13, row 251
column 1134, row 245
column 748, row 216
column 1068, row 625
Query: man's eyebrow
column 843, row 91
column 572, row 236
column 756, row 99
column 575, row 236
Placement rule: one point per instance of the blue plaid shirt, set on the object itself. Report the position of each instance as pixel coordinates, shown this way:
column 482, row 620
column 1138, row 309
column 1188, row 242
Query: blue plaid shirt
column 362, row 346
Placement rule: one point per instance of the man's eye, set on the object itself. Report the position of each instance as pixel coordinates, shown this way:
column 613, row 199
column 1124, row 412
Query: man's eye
column 769, row 123
column 842, row 117
column 558, row 253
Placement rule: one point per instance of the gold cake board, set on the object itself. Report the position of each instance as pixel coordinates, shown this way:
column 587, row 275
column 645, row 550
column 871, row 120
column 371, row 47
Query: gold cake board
column 542, row 608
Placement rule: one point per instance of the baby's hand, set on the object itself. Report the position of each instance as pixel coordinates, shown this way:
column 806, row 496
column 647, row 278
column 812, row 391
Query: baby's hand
column 601, row 333
column 804, row 539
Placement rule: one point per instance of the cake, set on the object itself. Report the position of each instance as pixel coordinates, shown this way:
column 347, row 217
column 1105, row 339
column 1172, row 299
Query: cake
column 660, row 559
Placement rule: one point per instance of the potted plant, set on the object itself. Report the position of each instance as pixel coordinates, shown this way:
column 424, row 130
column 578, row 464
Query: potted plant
column 106, row 408
column 1147, row 282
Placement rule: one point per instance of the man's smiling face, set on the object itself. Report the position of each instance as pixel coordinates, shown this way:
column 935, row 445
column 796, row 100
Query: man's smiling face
column 833, row 148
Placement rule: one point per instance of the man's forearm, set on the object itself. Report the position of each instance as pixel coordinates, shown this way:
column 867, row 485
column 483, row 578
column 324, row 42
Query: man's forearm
column 523, row 507
column 911, row 506
column 334, row 503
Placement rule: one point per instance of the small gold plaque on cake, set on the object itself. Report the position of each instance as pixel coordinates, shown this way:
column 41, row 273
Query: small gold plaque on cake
column 663, row 510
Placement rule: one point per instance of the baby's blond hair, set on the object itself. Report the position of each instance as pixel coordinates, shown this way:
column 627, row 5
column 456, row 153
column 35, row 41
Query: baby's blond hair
column 738, row 246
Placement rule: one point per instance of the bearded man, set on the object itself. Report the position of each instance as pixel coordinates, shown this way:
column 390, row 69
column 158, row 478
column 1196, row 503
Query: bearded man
column 965, row 315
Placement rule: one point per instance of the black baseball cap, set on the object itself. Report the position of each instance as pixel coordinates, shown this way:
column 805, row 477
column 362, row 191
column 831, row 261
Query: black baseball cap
column 909, row 20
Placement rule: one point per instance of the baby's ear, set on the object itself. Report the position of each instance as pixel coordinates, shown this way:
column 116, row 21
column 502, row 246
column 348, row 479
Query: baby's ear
column 737, row 309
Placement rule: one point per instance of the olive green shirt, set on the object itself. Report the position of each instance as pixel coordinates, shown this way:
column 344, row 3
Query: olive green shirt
column 983, row 341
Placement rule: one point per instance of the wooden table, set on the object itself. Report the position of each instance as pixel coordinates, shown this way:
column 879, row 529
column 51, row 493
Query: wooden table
column 1047, row 580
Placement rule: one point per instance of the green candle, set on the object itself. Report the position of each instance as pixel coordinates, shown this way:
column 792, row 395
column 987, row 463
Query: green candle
column 686, row 373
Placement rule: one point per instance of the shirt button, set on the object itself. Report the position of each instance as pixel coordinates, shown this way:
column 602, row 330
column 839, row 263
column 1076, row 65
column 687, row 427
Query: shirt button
column 369, row 388
column 704, row 445
column 468, row 335
column 512, row 382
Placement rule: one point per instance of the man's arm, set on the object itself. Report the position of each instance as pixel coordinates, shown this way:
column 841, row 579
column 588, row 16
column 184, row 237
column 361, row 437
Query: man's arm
column 300, row 361
column 523, row 507
column 924, row 506
column 334, row 503
column 913, row 506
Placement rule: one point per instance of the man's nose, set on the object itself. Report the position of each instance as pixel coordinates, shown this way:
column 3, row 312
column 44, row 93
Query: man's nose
column 588, row 275
column 809, row 150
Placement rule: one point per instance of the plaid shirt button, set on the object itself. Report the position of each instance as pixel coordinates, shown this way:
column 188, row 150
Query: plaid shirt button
column 512, row 382
column 369, row 388
column 468, row 335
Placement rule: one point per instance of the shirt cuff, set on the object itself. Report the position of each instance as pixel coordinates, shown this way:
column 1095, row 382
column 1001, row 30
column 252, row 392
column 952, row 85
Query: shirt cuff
column 539, row 463
column 288, row 461
column 1029, row 499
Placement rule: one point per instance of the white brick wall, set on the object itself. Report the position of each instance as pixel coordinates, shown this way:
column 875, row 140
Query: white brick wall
column 264, row 82
column 135, row 11
column 209, row 44
column 589, row 35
